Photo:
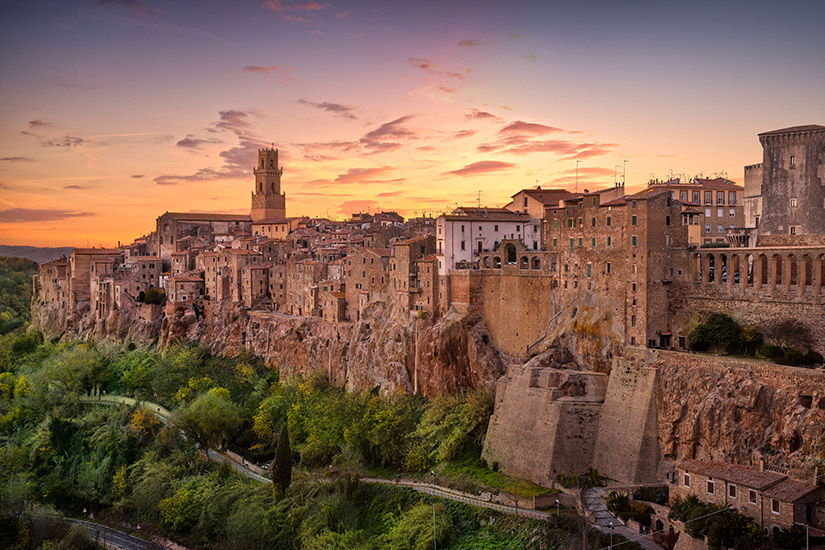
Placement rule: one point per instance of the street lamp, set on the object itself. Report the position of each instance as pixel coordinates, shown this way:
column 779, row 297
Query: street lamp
column 432, row 477
column 557, row 512
column 611, row 535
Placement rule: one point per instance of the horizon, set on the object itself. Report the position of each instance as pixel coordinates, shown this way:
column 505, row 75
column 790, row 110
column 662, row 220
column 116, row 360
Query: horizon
column 117, row 111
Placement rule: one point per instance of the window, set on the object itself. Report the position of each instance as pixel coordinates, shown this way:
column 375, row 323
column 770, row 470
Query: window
column 793, row 229
column 632, row 320
column 792, row 161
column 555, row 223
column 592, row 222
column 609, row 243
column 463, row 245
column 774, row 506
column 708, row 197
column 633, row 240
column 696, row 197
column 589, row 270
column 580, row 242
column 732, row 198
column 566, row 268
column 608, row 221
column 686, row 480
column 667, row 220
column 555, row 242
column 495, row 228
column 720, row 228
column 751, row 496
column 732, row 213
column 633, row 220
column 707, row 228
column 633, row 205
column 462, row 228
column 518, row 228
column 707, row 212
column 525, row 202
column 607, row 267
column 711, row 488
column 571, row 243
column 683, row 195
column 793, row 202
column 720, row 212
column 732, row 491
column 720, row 197
column 594, row 242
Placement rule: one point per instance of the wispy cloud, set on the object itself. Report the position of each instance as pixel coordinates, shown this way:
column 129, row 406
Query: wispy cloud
column 464, row 133
column 352, row 207
column 337, row 109
column 281, row 72
column 470, row 43
column 308, row 8
column 366, row 175
column 531, row 57
column 388, row 136
column 429, row 66
column 192, row 142
column 478, row 114
column 481, row 167
column 38, row 123
column 64, row 141
column 77, row 187
column 24, row 215
column 137, row 176
column 522, row 127
column 16, row 159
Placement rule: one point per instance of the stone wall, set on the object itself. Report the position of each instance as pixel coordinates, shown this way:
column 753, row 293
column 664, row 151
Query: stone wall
column 627, row 448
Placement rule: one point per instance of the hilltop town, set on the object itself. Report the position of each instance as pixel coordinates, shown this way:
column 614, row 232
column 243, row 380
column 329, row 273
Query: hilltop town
column 576, row 306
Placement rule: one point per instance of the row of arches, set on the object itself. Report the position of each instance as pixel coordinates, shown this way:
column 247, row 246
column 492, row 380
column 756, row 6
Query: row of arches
column 494, row 262
column 784, row 270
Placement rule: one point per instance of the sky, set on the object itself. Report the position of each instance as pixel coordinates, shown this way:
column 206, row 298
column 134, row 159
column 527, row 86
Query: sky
column 113, row 112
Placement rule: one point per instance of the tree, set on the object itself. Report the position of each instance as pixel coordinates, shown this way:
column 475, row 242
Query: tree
column 789, row 333
column 282, row 463
column 154, row 296
column 210, row 418
column 719, row 331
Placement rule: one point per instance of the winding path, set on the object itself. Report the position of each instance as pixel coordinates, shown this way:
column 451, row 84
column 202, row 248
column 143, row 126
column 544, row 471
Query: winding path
column 592, row 498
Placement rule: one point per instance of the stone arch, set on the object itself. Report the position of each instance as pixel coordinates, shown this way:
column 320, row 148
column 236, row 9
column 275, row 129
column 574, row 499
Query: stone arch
column 723, row 268
column 735, row 269
column 807, row 271
column 524, row 263
column 749, row 280
column 536, row 262
column 698, row 267
column 272, row 186
column 496, row 262
column 776, row 259
column 793, row 271
column 711, row 268
column 510, row 250
column 486, row 262
column 763, row 270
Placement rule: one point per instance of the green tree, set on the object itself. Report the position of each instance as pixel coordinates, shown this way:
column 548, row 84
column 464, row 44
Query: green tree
column 282, row 463
column 154, row 296
column 210, row 418
column 718, row 331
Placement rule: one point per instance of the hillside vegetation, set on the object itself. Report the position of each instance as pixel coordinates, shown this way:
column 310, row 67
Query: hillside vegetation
column 15, row 292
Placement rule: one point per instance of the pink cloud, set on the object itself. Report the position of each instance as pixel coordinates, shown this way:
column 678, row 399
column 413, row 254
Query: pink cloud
column 430, row 67
column 481, row 167
column 528, row 127
column 477, row 114
column 470, row 43
column 363, row 175
column 350, row 207
column 464, row 133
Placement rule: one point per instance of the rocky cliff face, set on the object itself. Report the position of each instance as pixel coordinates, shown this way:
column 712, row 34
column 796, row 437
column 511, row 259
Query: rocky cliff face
column 740, row 411
column 383, row 349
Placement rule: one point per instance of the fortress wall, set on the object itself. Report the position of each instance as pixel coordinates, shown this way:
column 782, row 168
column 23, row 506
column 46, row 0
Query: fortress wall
column 516, row 309
column 627, row 448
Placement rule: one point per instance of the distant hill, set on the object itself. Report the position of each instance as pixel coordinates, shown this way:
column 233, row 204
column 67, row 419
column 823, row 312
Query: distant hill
column 35, row 253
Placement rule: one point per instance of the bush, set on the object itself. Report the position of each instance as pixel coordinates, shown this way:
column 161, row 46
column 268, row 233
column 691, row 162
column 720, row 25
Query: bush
column 792, row 356
column 770, row 351
column 154, row 296
column 813, row 358
column 718, row 331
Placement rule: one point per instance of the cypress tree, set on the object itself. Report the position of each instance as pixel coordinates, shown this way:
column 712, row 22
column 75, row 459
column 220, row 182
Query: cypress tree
column 282, row 463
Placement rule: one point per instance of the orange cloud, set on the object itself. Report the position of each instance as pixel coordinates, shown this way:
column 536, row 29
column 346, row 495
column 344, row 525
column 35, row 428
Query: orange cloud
column 23, row 215
column 481, row 167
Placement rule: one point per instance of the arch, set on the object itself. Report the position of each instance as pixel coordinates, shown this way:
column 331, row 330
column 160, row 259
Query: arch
column 660, row 526
column 524, row 263
column 536, row 262
column 735, row 270
column 723, row 268
column 271, row 163
column 711, row 268
column 793, row 271
column 496, row 262
column 777, row 270
column 698, row 271
column 763, row 270
column 272, row 186
column 260, row 187
column 749, row 280
column 486, row 262
column 262, row 164
column 807, row 271
column 511, row 253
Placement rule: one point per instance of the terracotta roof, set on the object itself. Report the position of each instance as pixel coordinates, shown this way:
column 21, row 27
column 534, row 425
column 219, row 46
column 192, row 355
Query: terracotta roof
column 547, row 196
column 338, row 295
column 790, row 490
column 383, row 252
column 109, row 251
column 202, row 216
column 794, row 129
column 412, row 240
column 615, row 202
column 748, row 476
column 428, row 258
column 187, row 279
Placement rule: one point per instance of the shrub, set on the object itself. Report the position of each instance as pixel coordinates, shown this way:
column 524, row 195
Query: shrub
column 813, row 358
column 719, row 331
column 771, row 351
column 792, row 356
column 154, row 296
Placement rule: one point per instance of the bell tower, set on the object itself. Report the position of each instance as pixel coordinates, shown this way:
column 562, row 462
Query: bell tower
column 268, row 203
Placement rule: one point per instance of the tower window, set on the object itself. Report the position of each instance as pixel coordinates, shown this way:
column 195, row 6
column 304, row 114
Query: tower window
column 793, row 161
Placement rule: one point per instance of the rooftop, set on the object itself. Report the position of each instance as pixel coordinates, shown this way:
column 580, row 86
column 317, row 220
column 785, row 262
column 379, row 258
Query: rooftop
column 794, row 129
column 204, row 216
column 748, row 476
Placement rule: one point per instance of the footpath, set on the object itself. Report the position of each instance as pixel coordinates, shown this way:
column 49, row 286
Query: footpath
column 592, row 499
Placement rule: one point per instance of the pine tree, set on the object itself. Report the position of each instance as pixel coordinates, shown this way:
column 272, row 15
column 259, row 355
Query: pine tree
column 282, row 463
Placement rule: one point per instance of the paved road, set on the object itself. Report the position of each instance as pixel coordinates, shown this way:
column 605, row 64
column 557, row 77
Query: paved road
column 593, row 500
column 112, row 538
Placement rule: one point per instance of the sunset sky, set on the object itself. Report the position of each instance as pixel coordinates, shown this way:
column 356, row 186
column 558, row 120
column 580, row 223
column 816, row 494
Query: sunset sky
column 113, row 112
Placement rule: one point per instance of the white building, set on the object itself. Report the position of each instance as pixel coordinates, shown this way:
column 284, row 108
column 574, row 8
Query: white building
column 464, row 234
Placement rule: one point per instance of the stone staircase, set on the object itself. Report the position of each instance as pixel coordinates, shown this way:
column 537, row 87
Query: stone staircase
column 593, row 500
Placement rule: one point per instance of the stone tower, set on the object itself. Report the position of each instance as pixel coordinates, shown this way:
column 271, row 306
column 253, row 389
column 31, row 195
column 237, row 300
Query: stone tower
column 268, row 203
column 793, row 181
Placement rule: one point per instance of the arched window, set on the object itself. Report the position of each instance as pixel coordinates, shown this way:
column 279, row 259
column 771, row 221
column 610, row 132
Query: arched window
column 711, row 268
column 497, row 263
column 524, row 263
column 262, row 163
column 511, row 254
column 536, row 263
column 486, row 262
column 272, row 186
column 271, row 163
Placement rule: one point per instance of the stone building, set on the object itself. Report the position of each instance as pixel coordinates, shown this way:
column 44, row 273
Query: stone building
column 184, row 288
column 409, row 276
column 86, row 264
column 268, row 203
column 254, row 284
column 51, row 283
column 774, row 500
column 136, row 275
column 334, row 306
column 791, row 199
column 366, row 278
column 173, row 226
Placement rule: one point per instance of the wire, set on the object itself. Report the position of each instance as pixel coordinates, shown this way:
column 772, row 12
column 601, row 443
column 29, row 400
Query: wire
column 640, row 537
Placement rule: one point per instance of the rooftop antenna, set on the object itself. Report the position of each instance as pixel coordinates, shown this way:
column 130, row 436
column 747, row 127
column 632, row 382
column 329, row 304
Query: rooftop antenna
column 577, row 176
column 479, row 198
